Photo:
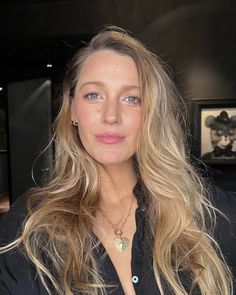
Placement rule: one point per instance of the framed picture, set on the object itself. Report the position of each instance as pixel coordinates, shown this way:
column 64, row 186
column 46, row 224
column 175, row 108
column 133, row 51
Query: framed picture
column 3, row 140
column 214, row 129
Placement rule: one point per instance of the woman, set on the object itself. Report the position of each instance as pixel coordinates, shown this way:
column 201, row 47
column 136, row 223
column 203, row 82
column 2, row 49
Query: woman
column 124, row 212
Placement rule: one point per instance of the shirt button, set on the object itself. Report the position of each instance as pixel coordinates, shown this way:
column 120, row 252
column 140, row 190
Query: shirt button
column 135, row 279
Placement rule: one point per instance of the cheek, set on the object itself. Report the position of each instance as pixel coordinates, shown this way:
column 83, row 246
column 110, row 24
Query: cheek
column 214, row 137
column 233, row 136
column 86, row 116
column 135, row 126
column 85, row 125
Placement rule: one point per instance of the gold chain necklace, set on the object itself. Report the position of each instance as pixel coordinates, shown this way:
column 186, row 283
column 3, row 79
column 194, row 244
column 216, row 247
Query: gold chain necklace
column 120, row 242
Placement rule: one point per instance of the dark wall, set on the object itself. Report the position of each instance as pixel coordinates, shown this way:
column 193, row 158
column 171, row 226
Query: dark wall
column 4, row 185
column 196, row 39
column 29, row 107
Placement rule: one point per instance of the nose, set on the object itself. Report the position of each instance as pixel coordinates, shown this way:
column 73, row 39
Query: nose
column 111, row 112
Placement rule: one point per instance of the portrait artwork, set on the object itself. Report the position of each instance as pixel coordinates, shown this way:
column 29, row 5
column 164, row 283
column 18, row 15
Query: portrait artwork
column 218, row 134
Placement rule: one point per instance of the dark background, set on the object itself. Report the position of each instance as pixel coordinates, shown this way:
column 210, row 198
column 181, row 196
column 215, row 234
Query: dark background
column 196, row 40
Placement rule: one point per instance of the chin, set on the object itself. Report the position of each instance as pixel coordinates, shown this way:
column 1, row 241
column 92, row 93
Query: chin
column 223, row 146
column 108, row 160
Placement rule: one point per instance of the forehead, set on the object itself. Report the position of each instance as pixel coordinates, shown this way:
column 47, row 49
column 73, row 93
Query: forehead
column 107, row 64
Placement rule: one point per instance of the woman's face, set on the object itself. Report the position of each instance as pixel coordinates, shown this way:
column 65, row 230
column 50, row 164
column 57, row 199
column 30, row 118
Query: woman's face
column 107, row 107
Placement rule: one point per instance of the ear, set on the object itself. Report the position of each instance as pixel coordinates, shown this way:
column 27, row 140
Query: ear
column 209, row 121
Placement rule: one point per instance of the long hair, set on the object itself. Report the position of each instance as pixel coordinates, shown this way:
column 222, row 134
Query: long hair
column 57, row 234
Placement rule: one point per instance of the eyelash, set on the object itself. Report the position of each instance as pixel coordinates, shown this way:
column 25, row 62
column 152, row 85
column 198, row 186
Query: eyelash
column 126, row 99
column 89, row 96
column 137, row 100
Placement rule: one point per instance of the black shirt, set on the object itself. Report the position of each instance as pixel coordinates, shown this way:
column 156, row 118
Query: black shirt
column 18, row 275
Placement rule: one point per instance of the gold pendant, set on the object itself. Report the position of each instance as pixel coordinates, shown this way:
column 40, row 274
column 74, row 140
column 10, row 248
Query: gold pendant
column 121, row 243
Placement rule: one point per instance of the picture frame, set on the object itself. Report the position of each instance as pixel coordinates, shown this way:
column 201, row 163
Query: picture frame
column 214, row 130
column 3, row 140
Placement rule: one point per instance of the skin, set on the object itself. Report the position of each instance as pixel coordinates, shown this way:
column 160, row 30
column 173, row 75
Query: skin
column 107, row 100
column 107, row 108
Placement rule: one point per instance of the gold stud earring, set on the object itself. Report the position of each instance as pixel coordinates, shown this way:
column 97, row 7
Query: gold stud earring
column 74, row 123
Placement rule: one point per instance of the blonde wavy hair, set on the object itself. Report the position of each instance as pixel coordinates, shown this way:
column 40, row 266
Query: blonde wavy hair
column 57, row 233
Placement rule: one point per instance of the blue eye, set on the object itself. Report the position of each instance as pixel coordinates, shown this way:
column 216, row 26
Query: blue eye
column 132, row 100
column 93, row 96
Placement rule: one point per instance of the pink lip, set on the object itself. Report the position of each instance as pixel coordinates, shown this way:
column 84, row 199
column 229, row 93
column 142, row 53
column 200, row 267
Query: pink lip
column 110, row 138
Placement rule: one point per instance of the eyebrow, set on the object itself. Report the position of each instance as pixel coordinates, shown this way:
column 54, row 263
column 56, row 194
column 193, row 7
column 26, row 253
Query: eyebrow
column 101, row 84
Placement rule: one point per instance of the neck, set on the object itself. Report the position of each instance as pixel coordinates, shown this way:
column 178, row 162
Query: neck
column 117, row 183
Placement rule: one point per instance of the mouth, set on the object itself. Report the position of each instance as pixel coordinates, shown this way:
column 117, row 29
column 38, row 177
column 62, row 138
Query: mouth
column 110, row 138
